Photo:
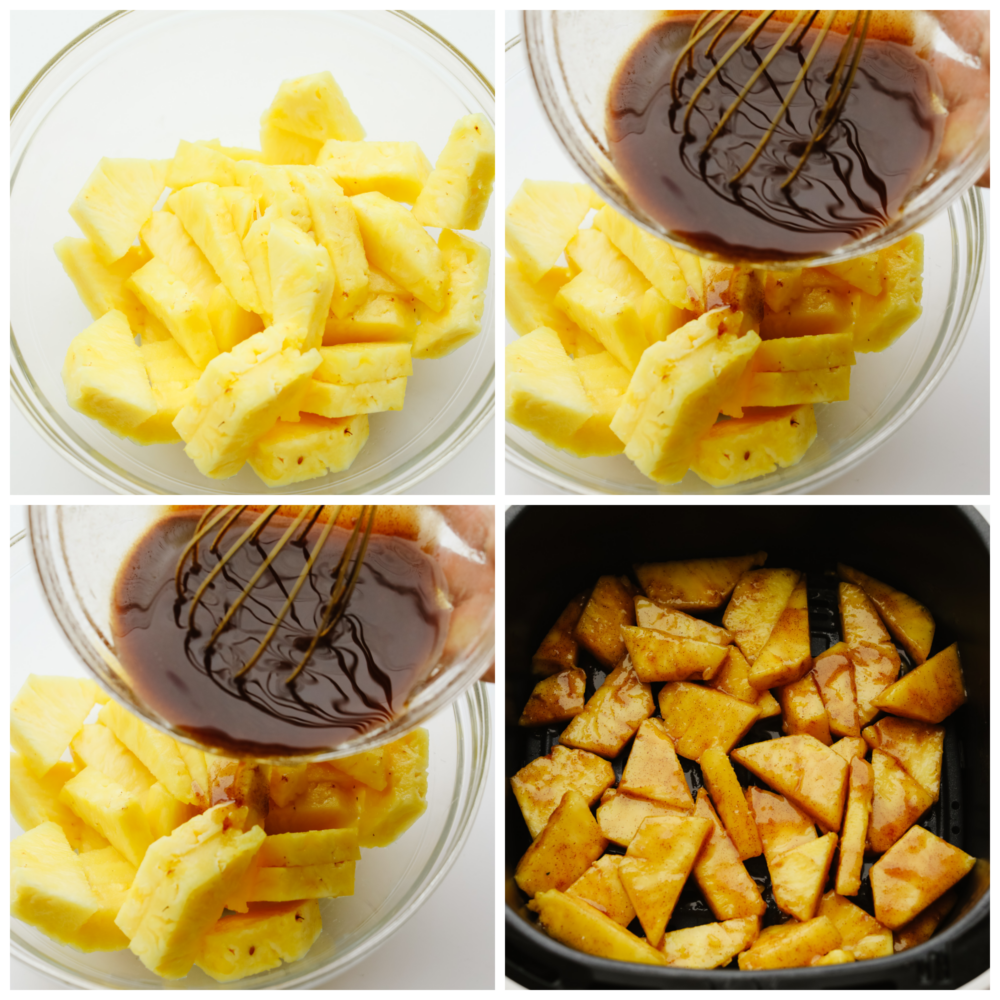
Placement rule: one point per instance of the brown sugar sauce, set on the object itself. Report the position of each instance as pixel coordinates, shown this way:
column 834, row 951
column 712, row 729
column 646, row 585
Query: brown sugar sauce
column 359, row 677
column 855, row 181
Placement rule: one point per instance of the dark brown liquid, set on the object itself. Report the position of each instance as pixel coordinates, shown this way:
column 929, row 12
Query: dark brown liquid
column 855, row 181
column 358, row 678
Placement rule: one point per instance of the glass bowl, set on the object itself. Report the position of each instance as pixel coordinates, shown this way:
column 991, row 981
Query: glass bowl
column 136, row 83
column 886, row 388
column 392, row 882
column 78, row 551
column 573, row 55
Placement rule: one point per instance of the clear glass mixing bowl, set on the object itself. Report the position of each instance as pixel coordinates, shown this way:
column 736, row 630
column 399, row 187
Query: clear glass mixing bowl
column 886, row 388
column 574, row 54
column 139, row 81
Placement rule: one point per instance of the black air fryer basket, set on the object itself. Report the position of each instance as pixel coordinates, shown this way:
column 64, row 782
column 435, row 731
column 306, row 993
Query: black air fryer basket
column 940, row 555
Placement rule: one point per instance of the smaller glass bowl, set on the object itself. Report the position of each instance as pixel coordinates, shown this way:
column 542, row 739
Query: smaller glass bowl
column 78, row 551
column 574, row 55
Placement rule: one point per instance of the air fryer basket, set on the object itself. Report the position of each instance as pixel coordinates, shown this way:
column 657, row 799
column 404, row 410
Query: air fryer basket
column 938, row 554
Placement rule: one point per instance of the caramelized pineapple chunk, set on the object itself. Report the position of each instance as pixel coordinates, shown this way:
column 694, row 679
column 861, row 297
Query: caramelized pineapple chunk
column 652, row 770
column 899, row 801
column 861, row 784
column 791, row 945
column 798, row 876
column 802, row 710
column 876, row 666
column 834, row 675
column 785, row 656
column 558, row 649
column 917, row 746
column 599, row 628
column 709, row 946
column 657, row 656
column 931, row 692
column 850, row 747
column 698, row 718
column 555, row 699
column 859, row 620
column 862, row 935
column 925, row 923
column 694, row 584
column 758, row 600
column 674, row 622
column 601, row 887
column 620, row 815
column 727, row 795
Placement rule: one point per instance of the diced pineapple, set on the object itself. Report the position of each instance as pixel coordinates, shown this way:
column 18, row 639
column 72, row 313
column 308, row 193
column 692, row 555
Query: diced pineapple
column 242, row 208
column 167, row 298
column 115, row 202
column 468, row 265
column 314, row 106
column 325, row 805
column 206, row 218
column 541, row 219
column 311, row 847
column 456, row 193
column 302, row 283
column 110, row 876
column 529, row 305
column 100, row 285
column 334, row 401
column 612, row 716
column 796, row 354
column 396, row 169
column 879, row 320
column 397, row 244
column 370, row 767
column 733, row 451
column 194, row 163
column 601, row 887
column 104, row 375
column 351, row 364
column 48, row 884
column 164, row 812
column 862, row 272
column 272, row 187
column 96, row 746
column 590, row 250
column 381, row 318
column 605, row 381
column 816, row 311
column 389, row 813
column 281, row 885
column 165, row 238
column 544, row 392
column 280, row 146
column 782, row 288
column 791, row 388
column 233, row 152
column 241, row 945
column 659, row 317
column 231, row 325
column 292, row 452
column 607, row 316
column 45, row 716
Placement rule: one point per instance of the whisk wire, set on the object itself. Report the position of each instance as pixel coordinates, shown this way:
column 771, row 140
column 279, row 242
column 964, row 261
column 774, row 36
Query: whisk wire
column 206, row 522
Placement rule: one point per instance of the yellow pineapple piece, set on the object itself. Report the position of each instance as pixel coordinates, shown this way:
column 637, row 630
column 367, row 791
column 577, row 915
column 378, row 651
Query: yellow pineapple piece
column 281, row 147
column 607, row 316
column 272, row 187
column 733, row 451
column 241, row 945
column 541, row 219
column 167, row 298
column 325, row 805
column 110, row 876
column 862, row 272
column 301, row 283
column 165, row 238
column 659, row 317
column 790, row 388
column 231, row 325
column 328, row 400
column 116, row 200
column 96, row 746
column 468, row 265
column 796, row 354
column 101, row 286
column 233, row 152
column 370, row 767
column 456, row 193
column 104, row 375
column 310, row 447
column 351, row 364
column 242, row 207
column 590, row 250
column 879, row 320
column 709, row 946
column 315, row 107
column 530, row 305
column 208, row 221
column 604, row 381
column 697, row 718
column 383, row 317
column 782, row 288
column 545, row 394
column 601, row 887
column 815, row 311
column 48, row 885
column 281, row 885
column 46, row 714
column 172, row 377
column 310, row 847
column 396, row 169
column 397, row 244
column 387, row 814
column 194, row 163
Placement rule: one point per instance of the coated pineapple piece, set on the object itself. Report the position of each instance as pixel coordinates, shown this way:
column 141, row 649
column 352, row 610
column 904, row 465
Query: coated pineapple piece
column 925, row 923
column 529, row 305
column 875, row 658
column 785, row 656
column 657, row 656
column 568, row 845
column 313, row 446
column 879, row 320
column 302, row 284
column 591, row 251
column 698, row 718
column 115, row 202
column 781, row 288
column 918, row 747
column 898, row 802
column 315, row 107
column 45, row 716
column 734, row 678
column 850, row 747
column 910, row 623
column 758, row 601
column 324, row 805
column 782, row 825
column 244, row 944
column 913, row 873
column 694, row 584
column 652, row 770
column 649, row 615
column 819, row 385
column 601, row 887
column 861, row 272
column 102, row 286
column 862, row 935
column 557, row 698
column 931, row 692
column 727, row 795
column 558, row 650
column 604, row 381
column 328, row 400
column 48, row 884
column 104, row 375
column 709, row 946
column 799, row 875
column 860, row 789
column 387, row 814
column 579, row 925
column 541, row 219
column 599, row 628
column 612, row 716
column 371, row 767
column 791, row 945
column 859, row 620
column 834, row 676
column 805, row 770
column 802, row 710
column 620, row 816
column 456, row 193
column 540, row 785
column 468, row 267
column 398, row 170
column 733, row 451
column 816, row 311
column 656, row 865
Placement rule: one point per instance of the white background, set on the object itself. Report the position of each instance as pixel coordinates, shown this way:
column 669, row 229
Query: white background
column 35, row 469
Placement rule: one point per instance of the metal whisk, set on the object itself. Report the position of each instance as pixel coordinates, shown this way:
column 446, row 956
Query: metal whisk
column 840, row 78
column 224, row 517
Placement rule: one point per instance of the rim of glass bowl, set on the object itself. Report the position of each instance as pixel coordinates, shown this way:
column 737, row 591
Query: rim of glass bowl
column 967, row 217
column 545, row 62
column 94, row 651
column 68, row 445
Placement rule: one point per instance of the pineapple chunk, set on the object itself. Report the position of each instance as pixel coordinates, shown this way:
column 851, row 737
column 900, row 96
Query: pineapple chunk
column 590, row 250
column 791, row 388
column 555, row 699
column 799, row 875
column 695, row 584
column 758, row 602
column 541, row 219
column 659, row 317
column 599, row 629
column 862, row 272
column 605, row 382
column 326, row 805
column 168, row 299
column 311, row 847
column 660, row 657
column 456, row 193
column 110, row 876
column 898, row 802
column 104, row 375
column 102, row 286
column 530, row 305
column 651, row 615
column 879, row 320
column 855, row 831
column 280, row 146
column 803, row 711
column 916, row 746
column 397, row 244
column 396, row 169
column 816, row 311
column 733, row 451
column 241, row 945
column 698, row 718
column 242, row 208
column 165, row 238
column 96, row 746
column 382, row 318
column 282, row 885
column 292, row 452
column 164, row 812
column 797, row 354
column 302, row 281
column 709, row 946
column 931, row 692
column 468, row 265
column 791, row 945
column 727, row 795
column 601, row 887
column 862, row 935
column 652, row 770
column 255, row 250
column 206, row 218
column 352, row 364
column 48, row 884
column 606, row 316
column 337, row 401
column 785, row 656
column 558, row 650
column 115, row 202
column 315, row 107
column 620, row 816
column 544, row 393
column 782, row 288
column 231, row 325
column 834, row 675
column 388, row 814
column 370, row 767
column 194, row 163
